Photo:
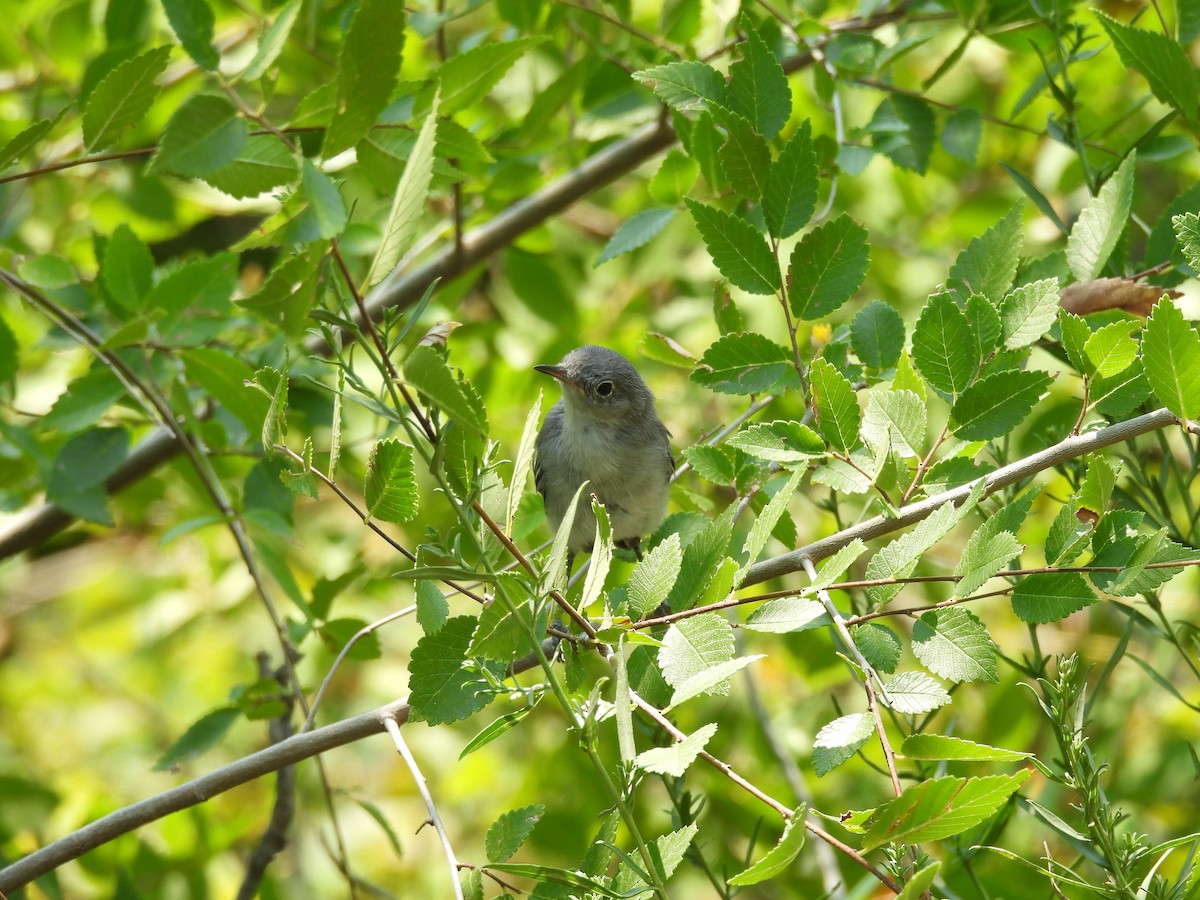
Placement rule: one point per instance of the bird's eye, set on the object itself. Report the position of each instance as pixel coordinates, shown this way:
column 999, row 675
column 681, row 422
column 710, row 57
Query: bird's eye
column 604, row 388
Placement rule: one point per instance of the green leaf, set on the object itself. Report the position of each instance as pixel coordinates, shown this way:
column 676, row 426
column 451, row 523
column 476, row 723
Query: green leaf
column 685, row 85
column 444, row 690
column 1171, row 357
column 988, row 265
column 1027, row 313
column 325, row 201
column 758, row 87
column 391, row 489
column 1098, row 228
column 920, row 882
column 1122, row 393
column 877, row 334
column 1162, row 61
column 523, row 464
column 637, row 231
column 264, row 162
column 427, row 371
column 1039, row 599
column 203, row 135
column 1075, row 334
column 123, row 97
column 940, row 746
column 223, row 376
column 954, row 644
column 653, row 577
column 675, row 758
column 791, row 192
column 744, row 364
column 466, row 78
column 787, row 614
column 673, row 180
column 407, row 203
column 84, row 401
column 879, row 645
column 201, row 736
column 985, row 554
column 192, row 21
column 996, row 404
column 432, row 608
column 779, row 857
column 1098, row 484
column 835, row 567
column 503, row 632
column 508, row 833
column 766, row 521
column 827, row 267
column 368, row 64
column 553, row 875
column 1110, row 349
column 939, row 808
column 714, row 680
column 902, row 129
column 1187, row 233
column 915, row 694
column 713, row 463
column 602, row 552
column 944, row 345
column 694, row 646
column 738, row 250
column 271, row 44
column 127, row 270
column 781, row 441
column 496, row 728
column 28, row 139
column 76, row 478
column 744, row 156
column 899, row 558
column 702, row 559
column 895, row 420
column 199, row 287
column 840, row 740
column 961, row 134
column 667, row 853
column 836, row 405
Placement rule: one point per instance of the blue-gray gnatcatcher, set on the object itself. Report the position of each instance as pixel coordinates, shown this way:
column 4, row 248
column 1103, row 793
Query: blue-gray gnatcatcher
column 604, row 431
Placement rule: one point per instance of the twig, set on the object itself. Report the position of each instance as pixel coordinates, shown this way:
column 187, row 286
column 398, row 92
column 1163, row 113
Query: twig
column 393, row 728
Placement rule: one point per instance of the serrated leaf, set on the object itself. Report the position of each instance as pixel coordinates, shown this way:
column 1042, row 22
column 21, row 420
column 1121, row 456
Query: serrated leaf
column 272, row 42
column 1039, row 599
column 192, row 21
column 877, row 334
column 602, row 552
column 675, row 759
column 984, row 319
column 407, row 203
column 223, row 377
column 128, row 269
column 685, row 85
column 265, row 162
column 899, row 558
column 325, row 203
column 199, row 287
column 1028, row 312
column 122, row 97
column 653, row 577
column 693, row 646
column 1075, row 334
column 835, row 567
column 203, row 135
column 758, row 88
column 940, row 746
column 787, row 614
column 368, row 64
column 84, row 401
column 996, row 404
column 467, row 78
column 635, row 232
column 1122, row 393
column 843, row 477
column 674, row 178
column 76, row 478
column 985, row 554
column 744, row 156
column 738, row 250
column 497, row 727
column 954, row 644
column 920, row 882
column 879, row 646
column 443, row 688
column 200, row 737
column 432, row 608
column 766, row 521
column 944, row 345
column 743, row 364
column 791, row 192
column 1162, row 61
column 27, row 139
column 714, row 680
column 1171, row 358
column 779, row 857
column 988, row 265
column 712, row 463
column 391, row 489
column 1098, row 484
column 1110, row 349
column 895, row 420
column 785, row 442
column 523, row 464
column 902, row 129
column 1187, row 232
column 428, row 372
column 508, row 833
column 827, row 267
column 1098, row 228
column 961, row 134
column 836, row 405
column 915, row 693
column 939, row 808
column 839, row 740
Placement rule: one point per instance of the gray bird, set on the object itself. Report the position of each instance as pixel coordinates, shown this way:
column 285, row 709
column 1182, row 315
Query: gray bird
column 604, row 431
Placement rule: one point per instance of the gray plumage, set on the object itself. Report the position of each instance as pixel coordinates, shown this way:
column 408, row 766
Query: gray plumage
column 604, row 431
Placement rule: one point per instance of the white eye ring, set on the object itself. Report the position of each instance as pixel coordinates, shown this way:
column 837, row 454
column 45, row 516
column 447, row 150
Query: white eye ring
column 604, row 388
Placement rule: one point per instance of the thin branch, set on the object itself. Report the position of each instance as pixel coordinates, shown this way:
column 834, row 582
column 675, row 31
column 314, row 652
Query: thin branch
column 393, row 728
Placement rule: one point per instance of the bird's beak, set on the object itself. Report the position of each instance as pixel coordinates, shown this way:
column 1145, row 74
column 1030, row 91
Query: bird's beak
column 557, row 372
